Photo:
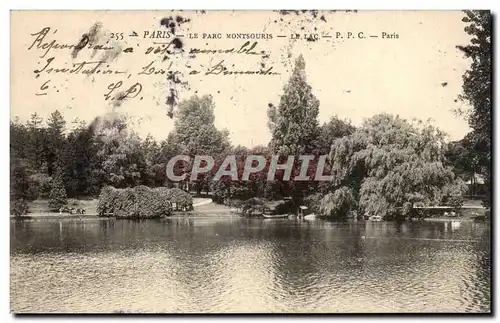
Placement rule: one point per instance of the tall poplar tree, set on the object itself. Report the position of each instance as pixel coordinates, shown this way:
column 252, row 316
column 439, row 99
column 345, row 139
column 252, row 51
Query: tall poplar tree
column 295, row 129
column 294, row 123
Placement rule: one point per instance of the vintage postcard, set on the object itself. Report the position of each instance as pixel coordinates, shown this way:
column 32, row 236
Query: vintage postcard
column 288, row 161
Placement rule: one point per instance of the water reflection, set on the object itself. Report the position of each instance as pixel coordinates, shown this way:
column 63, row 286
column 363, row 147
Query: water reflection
column 248, row 265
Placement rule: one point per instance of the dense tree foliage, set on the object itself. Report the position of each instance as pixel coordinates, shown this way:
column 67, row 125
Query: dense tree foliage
column 179, row 199
column 295, row 130
column 57, row 196
column 333, row 129
column 50, row 161
column 140, row 202
column 19, row 187
column 389, row 165
column 294, row 125
column 462, row 156
column 477, row 88
column 195, row 134
column 194, row 129
column 226, row 189
column 386, row 166
column 465, row 160
column 338, row 203
column 119, row 154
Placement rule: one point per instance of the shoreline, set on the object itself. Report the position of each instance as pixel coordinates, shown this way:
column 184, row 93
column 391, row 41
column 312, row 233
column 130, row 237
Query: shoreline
column 203, row 207
column 198, row 214
column 95, row 216
column 452, row 220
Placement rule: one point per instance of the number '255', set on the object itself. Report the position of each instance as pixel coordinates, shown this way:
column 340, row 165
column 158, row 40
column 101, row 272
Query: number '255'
column 117, row 36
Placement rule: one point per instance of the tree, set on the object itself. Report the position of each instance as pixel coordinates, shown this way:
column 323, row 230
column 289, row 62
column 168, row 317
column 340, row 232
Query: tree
column 18, row 187
column 57, row 196
column 19, row 207
column 119, row 154
column 151, row 175
column 167, row 149
column 338, row 203
column 194, row 128
column 390, row 165
column 294, row 125
column 331, row 130
column 464, row 158
column 55, row 142
column 88, row 157
column 18, row 138
column 36, row 144
column 294, row 128
column 477, row 88
column 81, row 162
column 195, row 133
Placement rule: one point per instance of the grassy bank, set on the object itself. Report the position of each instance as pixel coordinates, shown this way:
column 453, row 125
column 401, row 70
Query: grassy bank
column 40, row 208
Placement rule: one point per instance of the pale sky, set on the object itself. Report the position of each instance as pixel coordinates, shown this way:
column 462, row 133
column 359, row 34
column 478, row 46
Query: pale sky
column 417, row 75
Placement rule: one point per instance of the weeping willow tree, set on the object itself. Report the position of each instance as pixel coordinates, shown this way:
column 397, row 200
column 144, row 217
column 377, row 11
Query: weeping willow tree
column 388, row 166
column 338, row 203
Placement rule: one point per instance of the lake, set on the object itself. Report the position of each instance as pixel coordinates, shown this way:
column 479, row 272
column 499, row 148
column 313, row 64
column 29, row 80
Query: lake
column 232, row 264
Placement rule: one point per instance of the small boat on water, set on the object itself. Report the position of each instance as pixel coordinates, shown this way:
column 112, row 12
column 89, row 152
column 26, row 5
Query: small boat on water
column 311, row 216
column 375, row 218
column 275, row 216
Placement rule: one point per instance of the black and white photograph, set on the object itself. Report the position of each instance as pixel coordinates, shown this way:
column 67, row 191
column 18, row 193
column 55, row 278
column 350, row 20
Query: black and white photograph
column 250, row 162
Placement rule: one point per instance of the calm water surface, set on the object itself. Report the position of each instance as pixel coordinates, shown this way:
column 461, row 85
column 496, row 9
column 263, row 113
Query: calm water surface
column 241, row 265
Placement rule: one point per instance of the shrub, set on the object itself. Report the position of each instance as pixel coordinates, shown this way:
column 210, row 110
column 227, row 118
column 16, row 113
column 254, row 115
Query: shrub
column 151, row 203
column 220, row 192
column 106, row 201
column 19, row 207
column 456, row 202
column 140, row 202
column 163, row 202
column 237, row 204
column 180, row 199
column 254, row 204
column 125, row 204
column 57, row 196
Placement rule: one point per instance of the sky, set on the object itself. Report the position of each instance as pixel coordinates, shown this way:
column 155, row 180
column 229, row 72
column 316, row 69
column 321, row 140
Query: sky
column 416, row 75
